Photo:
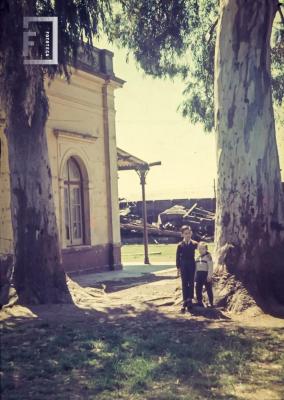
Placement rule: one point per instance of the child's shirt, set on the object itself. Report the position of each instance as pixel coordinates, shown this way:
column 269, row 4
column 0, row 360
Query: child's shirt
column 185, row 255
column 204, row 263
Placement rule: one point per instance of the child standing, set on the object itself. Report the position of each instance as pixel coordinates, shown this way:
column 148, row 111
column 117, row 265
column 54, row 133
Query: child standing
column 185, row 262
column 204, row 272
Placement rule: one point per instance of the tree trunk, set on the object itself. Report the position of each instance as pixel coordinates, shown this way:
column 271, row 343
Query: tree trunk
column 250, row 212
column 38, row 273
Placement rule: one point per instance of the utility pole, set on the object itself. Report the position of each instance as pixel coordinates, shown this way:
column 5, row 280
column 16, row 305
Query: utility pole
column 142, row 173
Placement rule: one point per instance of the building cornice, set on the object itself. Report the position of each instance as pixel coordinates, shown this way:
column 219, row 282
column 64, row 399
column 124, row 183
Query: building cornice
column 80, row 136
column 97, row 62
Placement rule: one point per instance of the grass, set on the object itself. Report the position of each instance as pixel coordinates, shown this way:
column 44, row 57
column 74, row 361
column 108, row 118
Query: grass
column 138, row 359
column 157, row 252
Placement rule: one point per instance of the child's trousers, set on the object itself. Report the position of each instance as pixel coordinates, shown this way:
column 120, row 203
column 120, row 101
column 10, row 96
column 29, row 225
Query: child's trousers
column 201, row 280
column 187, row 280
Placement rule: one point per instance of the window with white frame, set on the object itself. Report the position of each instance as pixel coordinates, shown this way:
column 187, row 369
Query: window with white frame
column 73, row 203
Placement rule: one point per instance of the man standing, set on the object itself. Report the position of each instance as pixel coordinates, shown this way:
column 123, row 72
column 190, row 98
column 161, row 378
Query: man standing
column 185, row 262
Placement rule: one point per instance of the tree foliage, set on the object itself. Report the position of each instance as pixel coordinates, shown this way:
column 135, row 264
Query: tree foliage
column 277, row 60
column 167, row 38
column 178, row 38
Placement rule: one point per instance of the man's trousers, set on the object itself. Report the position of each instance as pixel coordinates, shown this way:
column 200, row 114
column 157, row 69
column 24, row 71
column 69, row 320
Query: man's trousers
column 187, row 279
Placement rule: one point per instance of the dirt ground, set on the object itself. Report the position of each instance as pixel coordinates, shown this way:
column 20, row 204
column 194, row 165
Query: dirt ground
column 159, row 291
column 148, row 301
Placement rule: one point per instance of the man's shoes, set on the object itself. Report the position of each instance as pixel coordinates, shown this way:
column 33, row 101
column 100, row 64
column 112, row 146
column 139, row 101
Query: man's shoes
column 189, row 306
column 200, row 304
column 182, row 310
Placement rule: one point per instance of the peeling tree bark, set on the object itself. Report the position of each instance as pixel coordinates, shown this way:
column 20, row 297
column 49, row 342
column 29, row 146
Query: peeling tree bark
column 38, row 273
column 250, row 212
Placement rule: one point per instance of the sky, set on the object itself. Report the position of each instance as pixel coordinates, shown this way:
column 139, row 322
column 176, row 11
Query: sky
column 149, row 126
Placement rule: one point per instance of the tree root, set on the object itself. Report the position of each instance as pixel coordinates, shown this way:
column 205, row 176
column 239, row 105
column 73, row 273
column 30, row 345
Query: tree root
column 231, row 294
column 9, row 296
column 240, row 284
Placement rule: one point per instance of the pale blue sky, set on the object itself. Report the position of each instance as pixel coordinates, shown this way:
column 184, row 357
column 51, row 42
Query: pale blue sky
column 149, row 126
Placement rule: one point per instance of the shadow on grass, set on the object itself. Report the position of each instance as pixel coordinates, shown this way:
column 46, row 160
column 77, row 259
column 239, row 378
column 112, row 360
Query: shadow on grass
column 119, row 355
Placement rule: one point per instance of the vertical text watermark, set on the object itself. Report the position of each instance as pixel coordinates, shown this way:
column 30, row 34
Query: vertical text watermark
column 40, row 40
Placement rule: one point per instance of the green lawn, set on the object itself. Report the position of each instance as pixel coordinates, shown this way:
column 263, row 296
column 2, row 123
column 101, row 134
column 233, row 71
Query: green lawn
column 157, row 252
column 139, row 359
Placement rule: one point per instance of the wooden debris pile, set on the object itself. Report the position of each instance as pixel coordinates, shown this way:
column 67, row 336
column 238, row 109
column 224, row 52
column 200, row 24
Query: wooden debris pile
column 201, row 221
column 169, row 223
column 131, row 226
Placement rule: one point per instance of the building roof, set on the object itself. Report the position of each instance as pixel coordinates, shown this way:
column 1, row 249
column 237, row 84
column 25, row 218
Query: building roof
column 127, row 161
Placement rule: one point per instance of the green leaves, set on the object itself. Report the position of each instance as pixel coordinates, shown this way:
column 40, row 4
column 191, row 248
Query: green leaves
column 174, row 38
column 156, row 32
column 277, row 59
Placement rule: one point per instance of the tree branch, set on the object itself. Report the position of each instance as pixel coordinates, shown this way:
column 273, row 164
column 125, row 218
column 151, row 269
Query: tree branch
column 281, row 12
column 211, row 30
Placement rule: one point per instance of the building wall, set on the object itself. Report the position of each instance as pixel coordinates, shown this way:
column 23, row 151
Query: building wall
column 81, row 124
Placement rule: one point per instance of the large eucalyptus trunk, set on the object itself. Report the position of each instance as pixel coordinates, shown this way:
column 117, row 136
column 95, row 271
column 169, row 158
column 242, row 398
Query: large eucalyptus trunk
column 249, row 221
column 38, row 272
column 38, row 275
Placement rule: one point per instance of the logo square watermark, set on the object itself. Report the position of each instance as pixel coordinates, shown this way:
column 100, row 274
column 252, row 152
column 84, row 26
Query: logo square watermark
column 40, row 43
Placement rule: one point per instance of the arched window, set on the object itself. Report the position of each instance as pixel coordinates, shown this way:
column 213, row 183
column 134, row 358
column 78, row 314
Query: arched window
column 73, row 203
